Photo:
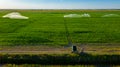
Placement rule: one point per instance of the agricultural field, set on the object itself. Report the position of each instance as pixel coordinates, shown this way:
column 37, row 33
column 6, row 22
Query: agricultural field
column 42, row 39
column 46, row 27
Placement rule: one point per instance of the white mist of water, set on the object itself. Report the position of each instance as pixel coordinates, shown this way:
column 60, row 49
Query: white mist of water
column 111, row 15
column 15, row 15
column 77, row 15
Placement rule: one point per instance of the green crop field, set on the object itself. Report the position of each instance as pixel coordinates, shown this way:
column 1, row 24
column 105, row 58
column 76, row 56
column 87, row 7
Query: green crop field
column 46, row 27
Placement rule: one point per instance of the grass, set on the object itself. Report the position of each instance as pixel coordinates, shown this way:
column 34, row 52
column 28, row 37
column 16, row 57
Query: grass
column 38, row 65
column 59, row 59
column 46, row 27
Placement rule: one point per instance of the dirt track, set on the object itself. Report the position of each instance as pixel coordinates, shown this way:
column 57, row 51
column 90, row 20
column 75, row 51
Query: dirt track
column 58, row 50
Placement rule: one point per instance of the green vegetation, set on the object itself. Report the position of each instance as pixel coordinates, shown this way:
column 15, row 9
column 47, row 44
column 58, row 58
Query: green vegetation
column 38, row 65
column 58, row 59
column 46, row 27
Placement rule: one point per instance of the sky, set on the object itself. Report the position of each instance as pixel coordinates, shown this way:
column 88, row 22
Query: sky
column 59, row 4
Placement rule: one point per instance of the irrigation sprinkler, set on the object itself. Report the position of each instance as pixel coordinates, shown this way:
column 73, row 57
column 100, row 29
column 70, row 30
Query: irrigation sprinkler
column 69, row 39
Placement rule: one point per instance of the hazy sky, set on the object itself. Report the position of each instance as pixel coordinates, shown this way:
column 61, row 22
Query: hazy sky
column 59, row 4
